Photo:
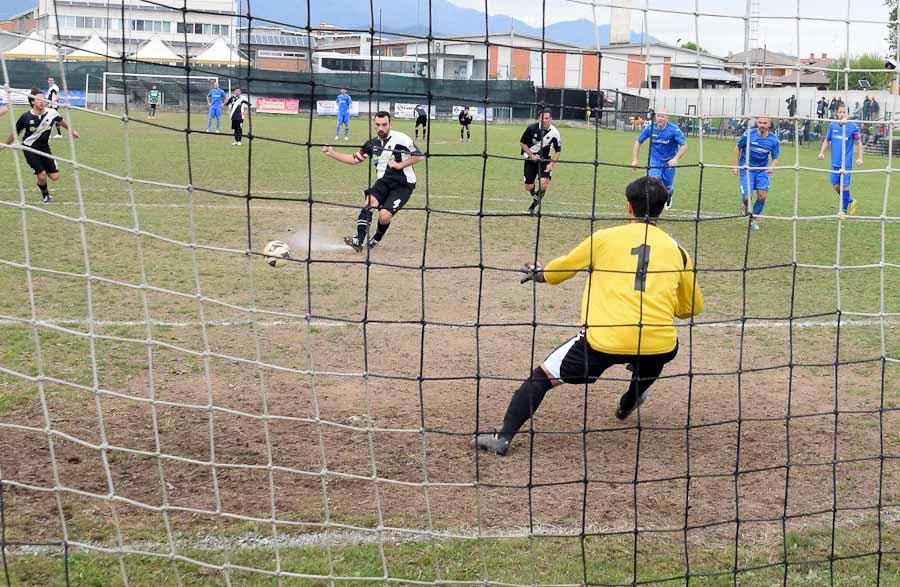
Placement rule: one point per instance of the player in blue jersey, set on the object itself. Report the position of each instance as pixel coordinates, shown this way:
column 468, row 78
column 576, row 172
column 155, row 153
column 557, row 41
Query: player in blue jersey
column 667, row 146
column 343, row 101
column 3, row 107
column 214, row 98
column 751, row 155
column 841, row 137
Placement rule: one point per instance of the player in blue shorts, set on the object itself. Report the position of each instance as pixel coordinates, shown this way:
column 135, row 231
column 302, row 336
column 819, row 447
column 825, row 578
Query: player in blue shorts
column 667, row 146
column 343, row 101
column 841, row 137
column 763, row 145
column 214, row 98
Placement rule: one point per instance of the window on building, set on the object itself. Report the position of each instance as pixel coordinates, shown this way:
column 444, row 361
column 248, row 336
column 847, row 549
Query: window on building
column 398, row 51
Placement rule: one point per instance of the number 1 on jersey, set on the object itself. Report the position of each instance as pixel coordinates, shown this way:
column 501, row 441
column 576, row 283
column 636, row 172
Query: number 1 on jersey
column 643, row 260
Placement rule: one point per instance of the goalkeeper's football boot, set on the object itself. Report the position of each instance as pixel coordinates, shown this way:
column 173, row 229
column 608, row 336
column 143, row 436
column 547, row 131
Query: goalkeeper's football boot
column 622, row 413
column 353, row 243
column 373, row 243
column 851, row 209
column 492, row 443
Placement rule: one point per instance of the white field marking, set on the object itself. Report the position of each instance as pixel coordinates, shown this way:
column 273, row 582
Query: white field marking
column 338, row 536
column 750, row 325
column 617, row 211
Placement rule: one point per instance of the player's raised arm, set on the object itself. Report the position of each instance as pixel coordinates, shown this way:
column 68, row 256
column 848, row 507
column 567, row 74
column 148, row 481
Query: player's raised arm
column 859, row 151
column 354, row 159
column 566, row 267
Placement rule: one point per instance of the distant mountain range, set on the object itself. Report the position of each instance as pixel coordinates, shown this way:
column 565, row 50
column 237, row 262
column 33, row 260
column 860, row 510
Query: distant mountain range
column 402, row 17
column 410, row 17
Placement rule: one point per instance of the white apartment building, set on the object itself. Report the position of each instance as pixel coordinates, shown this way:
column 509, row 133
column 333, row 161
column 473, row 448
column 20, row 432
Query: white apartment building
column 78, row 19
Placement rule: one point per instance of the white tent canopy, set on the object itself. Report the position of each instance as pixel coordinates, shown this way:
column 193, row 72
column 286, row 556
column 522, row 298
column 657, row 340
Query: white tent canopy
column 219, row 53
column 34, row 47
column 156, row 50
column 94, row 49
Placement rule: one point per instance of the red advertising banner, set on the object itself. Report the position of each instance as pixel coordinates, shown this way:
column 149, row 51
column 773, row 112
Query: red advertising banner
column 278, row 105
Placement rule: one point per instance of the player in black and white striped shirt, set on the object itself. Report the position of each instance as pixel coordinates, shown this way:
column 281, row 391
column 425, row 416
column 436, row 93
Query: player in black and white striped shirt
column 536, row 142
column 35, row 126
column 393, row 153
column 53, row 102
column 237, row 103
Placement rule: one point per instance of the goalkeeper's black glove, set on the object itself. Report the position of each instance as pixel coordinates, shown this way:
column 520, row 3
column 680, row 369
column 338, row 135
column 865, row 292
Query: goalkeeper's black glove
column 533, row 272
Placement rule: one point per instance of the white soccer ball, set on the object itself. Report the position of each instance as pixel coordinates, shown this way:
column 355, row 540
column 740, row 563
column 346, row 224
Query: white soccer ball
column 275, row 251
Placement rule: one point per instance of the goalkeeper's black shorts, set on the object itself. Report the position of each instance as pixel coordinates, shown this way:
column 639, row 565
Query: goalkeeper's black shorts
column 575, row 361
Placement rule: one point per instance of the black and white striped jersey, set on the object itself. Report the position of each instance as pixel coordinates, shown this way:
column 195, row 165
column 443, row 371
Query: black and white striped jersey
column 539, row 140
column 399, row 147
column 53, row 95
column 37, row 129
column 237, row 105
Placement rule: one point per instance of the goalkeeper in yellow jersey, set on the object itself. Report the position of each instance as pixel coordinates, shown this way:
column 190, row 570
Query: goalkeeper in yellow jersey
column 638, row 281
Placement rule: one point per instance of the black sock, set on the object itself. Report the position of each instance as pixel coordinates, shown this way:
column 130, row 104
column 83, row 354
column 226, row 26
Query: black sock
column 525, row 402
column 382, row 228
column 468, row 134
column 45, row 190
column 362, row 224
column 641, row 380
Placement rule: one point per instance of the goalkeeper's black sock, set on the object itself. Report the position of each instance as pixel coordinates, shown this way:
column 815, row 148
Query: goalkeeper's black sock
column 45, row 191
column 362, row 224
column 525, row 402
column 382, row 228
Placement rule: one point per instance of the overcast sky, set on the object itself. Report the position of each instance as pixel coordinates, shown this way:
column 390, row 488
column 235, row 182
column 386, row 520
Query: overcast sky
column 721, row 35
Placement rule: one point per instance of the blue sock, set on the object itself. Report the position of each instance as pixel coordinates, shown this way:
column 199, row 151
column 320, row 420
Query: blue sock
column 217, row 124
column 337, row 130
column 845, row 200
column 346, row 132
column 208, row 124
column 758, row 206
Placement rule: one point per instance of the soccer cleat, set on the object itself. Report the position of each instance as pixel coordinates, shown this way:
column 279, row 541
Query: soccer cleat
column 217, row 130
column 851, row 209
column 337, row 138
column 48, row 199
column 621, row 413
column 373, row 243
column 233, row 143
column 346, row 137
column 238, row 143
column 492, row 443
column 754, row 225
column 536, row 202
column 353, row 243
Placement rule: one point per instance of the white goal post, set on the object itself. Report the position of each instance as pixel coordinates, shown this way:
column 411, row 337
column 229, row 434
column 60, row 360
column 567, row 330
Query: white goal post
column 145, row 80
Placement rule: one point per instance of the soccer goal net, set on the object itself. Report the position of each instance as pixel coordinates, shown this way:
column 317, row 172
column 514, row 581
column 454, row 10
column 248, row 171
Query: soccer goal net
column 325, row 351
column 112, row 90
